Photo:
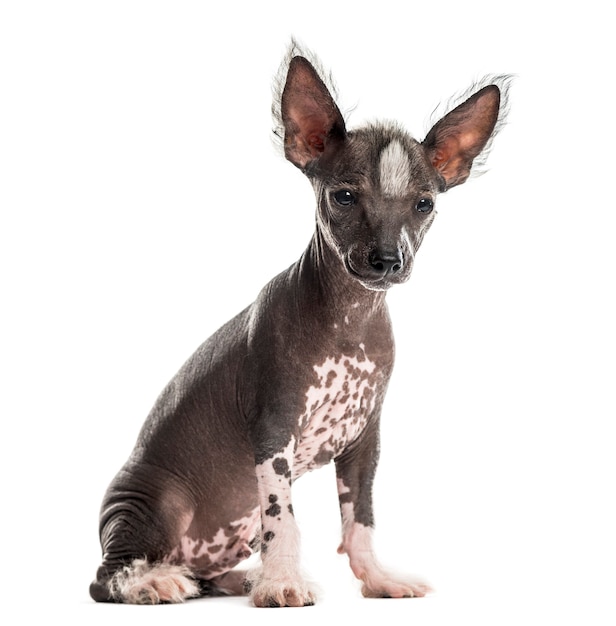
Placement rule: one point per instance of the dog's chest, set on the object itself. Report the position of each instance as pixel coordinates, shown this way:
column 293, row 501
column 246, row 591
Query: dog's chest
column 338, row 405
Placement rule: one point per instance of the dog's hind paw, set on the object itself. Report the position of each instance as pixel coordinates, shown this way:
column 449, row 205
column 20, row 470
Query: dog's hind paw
column 143, row 583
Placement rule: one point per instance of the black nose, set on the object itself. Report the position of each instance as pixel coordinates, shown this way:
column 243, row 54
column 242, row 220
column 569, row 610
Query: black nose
column 385, row 262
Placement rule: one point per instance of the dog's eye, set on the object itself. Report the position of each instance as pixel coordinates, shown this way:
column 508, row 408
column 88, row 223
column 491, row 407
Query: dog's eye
column 425, row 205
column 344, row 197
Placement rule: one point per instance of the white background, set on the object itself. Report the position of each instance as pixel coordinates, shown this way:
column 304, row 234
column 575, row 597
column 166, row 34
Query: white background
column 142, row 205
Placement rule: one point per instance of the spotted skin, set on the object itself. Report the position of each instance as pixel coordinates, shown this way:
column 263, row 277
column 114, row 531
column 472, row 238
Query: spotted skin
column 336, row 409
column 228, row 547
column 293, row 382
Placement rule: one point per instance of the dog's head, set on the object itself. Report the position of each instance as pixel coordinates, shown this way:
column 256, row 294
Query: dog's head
column 376, row 186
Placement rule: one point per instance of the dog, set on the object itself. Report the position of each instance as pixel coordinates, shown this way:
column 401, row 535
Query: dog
column 297, row 379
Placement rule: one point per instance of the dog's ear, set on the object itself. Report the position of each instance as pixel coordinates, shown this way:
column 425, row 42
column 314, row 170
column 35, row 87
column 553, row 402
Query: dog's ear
column 312, row 121
column 458, row 138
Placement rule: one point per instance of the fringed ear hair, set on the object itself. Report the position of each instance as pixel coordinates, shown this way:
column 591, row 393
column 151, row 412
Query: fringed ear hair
column 455, row 141
column 310, row 120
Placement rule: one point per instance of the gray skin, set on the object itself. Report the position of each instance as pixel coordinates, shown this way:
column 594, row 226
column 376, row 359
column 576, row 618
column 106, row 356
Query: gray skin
column 236, row 403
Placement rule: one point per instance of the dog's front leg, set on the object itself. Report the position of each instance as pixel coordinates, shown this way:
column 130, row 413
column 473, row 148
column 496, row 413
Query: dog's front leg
column 355, row 471
column 279, row 581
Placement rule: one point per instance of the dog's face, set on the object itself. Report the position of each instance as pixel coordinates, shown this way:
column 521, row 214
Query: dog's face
column 376, row 186
column 376, row 196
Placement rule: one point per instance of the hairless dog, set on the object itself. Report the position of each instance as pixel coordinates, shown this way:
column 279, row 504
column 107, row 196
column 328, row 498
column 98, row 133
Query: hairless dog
column 298, row 378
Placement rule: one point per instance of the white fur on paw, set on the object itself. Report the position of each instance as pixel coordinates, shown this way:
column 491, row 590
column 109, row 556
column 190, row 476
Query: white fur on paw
column 279, row 591
column 143, row 583
column 383, row 586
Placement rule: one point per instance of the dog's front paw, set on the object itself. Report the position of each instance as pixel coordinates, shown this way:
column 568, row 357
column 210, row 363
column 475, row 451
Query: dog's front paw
column 280, row 591
column 384, row 586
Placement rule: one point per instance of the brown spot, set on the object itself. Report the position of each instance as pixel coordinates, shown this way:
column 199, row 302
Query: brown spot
column 274, row 508
column 323, row 456
column 202, row 563
column 232, row 530
column 281, row 467
column 214, row 549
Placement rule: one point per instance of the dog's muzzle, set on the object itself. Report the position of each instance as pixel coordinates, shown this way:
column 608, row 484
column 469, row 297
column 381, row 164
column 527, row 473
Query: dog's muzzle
column 379, row 268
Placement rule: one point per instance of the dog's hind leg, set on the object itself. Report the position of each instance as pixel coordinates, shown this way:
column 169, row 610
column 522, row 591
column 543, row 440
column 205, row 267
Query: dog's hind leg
column 141, row 524
column 231, row 583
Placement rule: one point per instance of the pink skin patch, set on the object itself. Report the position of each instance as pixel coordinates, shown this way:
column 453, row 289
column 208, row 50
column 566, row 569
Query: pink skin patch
column 337, row 409
column 220, row 554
